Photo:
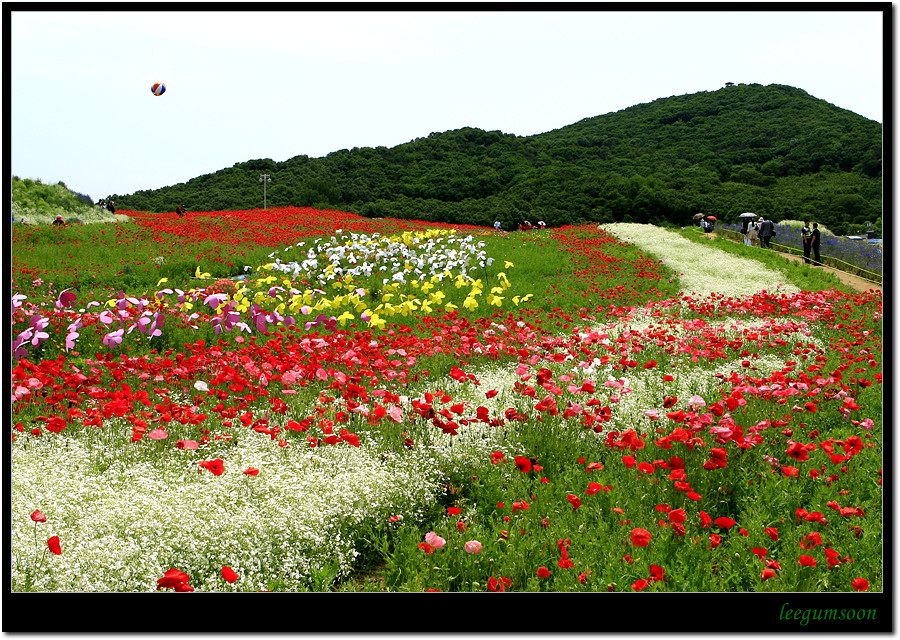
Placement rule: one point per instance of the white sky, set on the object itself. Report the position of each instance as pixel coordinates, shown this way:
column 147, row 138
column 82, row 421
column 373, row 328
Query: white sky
column 245, row 85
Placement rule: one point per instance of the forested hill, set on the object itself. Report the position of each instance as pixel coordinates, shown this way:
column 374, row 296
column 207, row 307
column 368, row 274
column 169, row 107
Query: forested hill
column 772, row 150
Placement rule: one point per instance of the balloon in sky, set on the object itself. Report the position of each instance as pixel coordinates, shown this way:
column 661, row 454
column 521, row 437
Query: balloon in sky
column 158, row 88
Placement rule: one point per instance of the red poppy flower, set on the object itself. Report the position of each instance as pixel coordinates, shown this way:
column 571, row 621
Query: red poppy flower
column 677, row 516
column 772, row 532
column 593, row 488
column 807, row 561
column 53, row 543
column 37, row 516
column 860, row 584
column 629, row 461
column 725, row 523
column 498, row 585
column 519, row 504
column 640, row 537
column 427, row 548
column 760, row 551
column 575, row 500
column 251, row 471
column 523, row 464
column 543, row 572
column 454, row 511
column 229, row 575
column 798, row 452
column 768, row 573
column 656, row 573
column 640, row 584
column 217, row 466
column 669, row 401
column 174, row 579
column 714, row 540
column 815, row 516
column 645, row 467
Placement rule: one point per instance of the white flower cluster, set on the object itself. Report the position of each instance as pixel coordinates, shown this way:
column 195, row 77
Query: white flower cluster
column 437, row 252
column 702, row 270
column 123, row 522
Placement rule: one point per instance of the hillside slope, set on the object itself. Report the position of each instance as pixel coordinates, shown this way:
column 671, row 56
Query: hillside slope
column 770, row 149
column 34, row 202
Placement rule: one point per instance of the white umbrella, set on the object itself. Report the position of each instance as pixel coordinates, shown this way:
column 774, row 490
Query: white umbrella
column 747, row 215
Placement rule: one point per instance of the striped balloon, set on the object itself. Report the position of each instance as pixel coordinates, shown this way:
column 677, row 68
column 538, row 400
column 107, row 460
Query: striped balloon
column 158, row 88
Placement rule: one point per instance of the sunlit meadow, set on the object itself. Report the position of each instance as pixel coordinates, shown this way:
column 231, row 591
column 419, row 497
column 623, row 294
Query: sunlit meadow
column 336, row 403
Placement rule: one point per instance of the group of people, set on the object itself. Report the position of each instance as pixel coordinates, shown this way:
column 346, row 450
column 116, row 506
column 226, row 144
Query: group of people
column 765, row 230
column 811, row 238
column 109, row 205
column 523, row 226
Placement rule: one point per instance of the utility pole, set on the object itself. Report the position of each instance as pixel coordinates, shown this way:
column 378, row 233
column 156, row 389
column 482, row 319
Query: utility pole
column 264, row 178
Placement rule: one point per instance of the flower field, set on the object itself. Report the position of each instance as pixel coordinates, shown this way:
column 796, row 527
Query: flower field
column 301, row 400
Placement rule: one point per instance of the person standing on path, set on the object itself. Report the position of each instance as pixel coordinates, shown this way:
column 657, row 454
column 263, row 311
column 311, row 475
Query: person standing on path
column 752, row 234
column 814, row 243
column 806, row 236
column 766, row 231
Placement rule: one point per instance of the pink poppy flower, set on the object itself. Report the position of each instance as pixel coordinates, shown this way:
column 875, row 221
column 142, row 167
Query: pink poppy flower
column 434, row 540
column 473, row 546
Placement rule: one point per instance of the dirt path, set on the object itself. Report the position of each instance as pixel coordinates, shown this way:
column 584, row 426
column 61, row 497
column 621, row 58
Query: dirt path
column 856, row 282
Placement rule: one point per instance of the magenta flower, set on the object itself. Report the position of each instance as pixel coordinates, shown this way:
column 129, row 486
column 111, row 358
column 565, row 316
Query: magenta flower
column 114, row 338
column 65, row 299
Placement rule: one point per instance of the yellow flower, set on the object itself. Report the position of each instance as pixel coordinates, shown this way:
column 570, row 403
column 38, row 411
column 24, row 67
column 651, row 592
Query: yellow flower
column 470, row 303
column 198, row 274
column 507, row 264
column 344, row 317
column 161, row 280
column 517, row 299
column 450, row 307
column 495, row 300
column 376, row 321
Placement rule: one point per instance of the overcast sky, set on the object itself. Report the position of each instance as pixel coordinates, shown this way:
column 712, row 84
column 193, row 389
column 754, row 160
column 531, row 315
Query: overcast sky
column 242, row 86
